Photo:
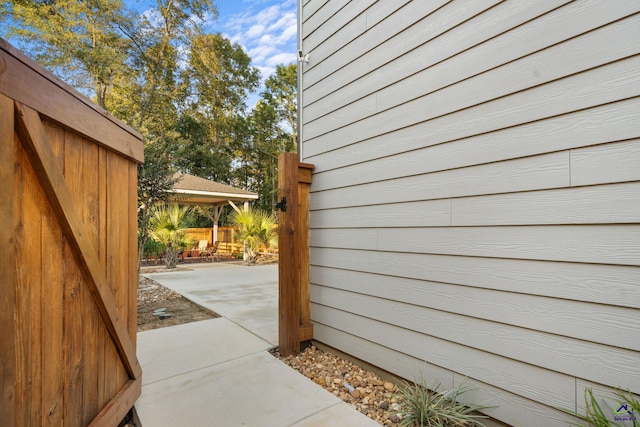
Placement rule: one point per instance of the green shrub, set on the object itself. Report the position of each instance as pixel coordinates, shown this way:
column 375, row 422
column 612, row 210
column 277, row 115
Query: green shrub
column 425, row 406
column 153, row 248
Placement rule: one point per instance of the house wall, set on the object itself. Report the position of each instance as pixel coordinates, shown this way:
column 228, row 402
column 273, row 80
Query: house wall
column 475, row 204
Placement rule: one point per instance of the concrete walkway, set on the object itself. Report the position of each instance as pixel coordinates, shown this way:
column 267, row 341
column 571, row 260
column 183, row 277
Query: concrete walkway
column 218, row 372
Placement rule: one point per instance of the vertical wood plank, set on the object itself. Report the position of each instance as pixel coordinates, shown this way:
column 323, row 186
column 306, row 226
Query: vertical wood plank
column 133, row 252
column 19, row 277
column 77, row 317
column 304, row 181
column 117, row 249
column 75, row 327
column 52, row 343
column 101, row 336
column 28, row 263
column 35, row 141
column 7, row 284
column 289, row 256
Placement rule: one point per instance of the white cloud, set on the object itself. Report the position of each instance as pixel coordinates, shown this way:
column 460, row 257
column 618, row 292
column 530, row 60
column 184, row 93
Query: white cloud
column 267, row 32
column 281, row 58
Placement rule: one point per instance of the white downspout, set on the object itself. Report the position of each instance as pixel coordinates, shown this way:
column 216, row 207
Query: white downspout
column 299, row 142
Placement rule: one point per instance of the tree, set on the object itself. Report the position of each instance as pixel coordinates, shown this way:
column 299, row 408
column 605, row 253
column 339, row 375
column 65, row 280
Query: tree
column 256, row 228
column 219, row 80
column 154, row 184
column 78, row 40
column 282, row 94
column 185, row 91
column 167, row 226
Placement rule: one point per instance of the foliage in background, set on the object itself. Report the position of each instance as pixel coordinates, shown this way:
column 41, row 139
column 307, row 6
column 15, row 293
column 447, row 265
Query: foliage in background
column 256, row 228
column 281, row 95
column 167, row 225
column 182, row 88
column 424, row 407
column 80, row 40
column 595, row 416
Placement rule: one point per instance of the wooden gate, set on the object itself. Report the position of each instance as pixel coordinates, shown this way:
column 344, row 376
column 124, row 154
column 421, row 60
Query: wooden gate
column 68, row 200
column 294, row 323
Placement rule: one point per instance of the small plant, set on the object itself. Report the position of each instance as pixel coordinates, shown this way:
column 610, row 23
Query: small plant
column 167, row 225
column 595, row 416
column 256, row 229
column 153, row 248
column 422, row 407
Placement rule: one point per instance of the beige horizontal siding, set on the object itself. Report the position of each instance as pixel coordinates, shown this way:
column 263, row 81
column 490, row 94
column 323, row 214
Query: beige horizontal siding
column 475, row 205
column 606, row 284
column 598, row 204
column 493, row 333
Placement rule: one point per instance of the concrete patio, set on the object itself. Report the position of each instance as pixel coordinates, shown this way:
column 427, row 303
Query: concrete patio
column 219, row 372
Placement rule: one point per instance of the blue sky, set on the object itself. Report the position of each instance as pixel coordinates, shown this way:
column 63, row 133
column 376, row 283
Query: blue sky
column 266, row 29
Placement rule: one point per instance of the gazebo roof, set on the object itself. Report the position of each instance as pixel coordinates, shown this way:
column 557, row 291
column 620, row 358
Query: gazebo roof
column 193, row 190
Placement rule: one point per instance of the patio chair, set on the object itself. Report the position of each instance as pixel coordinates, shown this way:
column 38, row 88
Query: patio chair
column 204, row 249
column 208, row 251
column 214, row 250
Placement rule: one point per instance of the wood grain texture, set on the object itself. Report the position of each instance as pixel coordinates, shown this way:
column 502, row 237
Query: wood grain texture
column 605, row 284
column 32, row 135
column 371, row 52
column 475, row 197
column 289, row 252
column 588, row 322
column 7, row 267
column 535, row 383
column 512, row 408
column 602, row 85
column 340, row 29
column 68, row 106
column 29, row 282
column 486, row 41
column 53, row 345
column 117, row 408
column 616, row 162
column 304, row 180
column 601, row 204
column 457, row 30
column 132, row 273
column 317, row 13
column 415, row 311
column 77, row 368
column 599, row 125
column 411, row 214
column 602, row 244
column 531, row 173
column 52, row 341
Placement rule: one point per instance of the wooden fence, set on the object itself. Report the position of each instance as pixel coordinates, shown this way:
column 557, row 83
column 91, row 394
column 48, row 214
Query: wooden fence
column 68, row 204
column 229, row 245
column 226, row 235
column 294, row 323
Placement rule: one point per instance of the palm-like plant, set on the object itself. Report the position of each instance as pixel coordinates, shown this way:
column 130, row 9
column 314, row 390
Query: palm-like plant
column 256, row 228
column 167, row 225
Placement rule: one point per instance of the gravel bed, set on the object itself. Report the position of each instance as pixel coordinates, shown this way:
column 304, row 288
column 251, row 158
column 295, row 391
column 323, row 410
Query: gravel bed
column 362, row 389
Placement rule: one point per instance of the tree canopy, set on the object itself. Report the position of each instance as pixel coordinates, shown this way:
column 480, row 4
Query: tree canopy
column 183, row 88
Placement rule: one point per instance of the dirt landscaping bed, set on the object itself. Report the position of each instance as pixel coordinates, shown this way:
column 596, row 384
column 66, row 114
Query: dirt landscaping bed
column 159, row 307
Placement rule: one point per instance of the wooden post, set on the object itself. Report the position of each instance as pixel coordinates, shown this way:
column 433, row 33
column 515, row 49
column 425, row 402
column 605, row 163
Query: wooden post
column 304, row 181
column 294, row 324
column 288, row 256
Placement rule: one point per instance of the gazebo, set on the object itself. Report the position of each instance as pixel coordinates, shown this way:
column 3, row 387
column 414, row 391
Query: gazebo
column 193, row 190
